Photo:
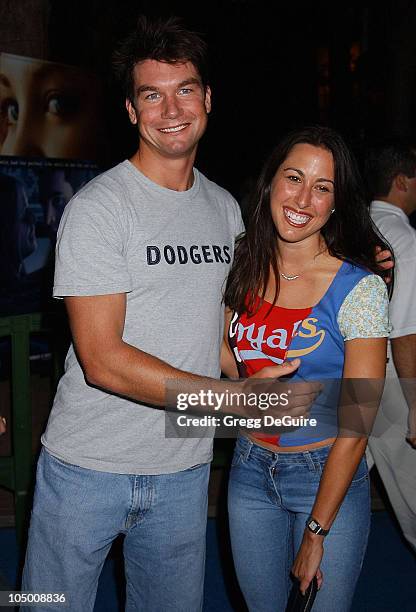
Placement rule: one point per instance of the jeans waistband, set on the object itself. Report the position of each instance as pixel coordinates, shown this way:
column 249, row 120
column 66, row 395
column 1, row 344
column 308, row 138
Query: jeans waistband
column 248, row 448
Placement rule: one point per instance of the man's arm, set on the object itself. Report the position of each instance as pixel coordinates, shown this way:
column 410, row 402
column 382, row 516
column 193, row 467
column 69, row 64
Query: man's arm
column 97, row 324
column 108, row 362
column 404, row 358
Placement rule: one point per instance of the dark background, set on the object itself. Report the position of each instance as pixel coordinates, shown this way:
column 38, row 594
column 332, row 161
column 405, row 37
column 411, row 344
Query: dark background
column 274, row 65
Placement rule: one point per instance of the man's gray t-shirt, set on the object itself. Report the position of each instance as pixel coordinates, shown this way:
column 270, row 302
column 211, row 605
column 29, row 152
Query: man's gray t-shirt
column 170, row 252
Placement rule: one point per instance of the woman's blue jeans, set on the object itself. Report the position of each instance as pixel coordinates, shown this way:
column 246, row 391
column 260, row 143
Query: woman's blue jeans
column 269, row 500
column 77, row 513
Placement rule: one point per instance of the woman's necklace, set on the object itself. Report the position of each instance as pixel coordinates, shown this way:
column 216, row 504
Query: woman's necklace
column 292, row 277
column 289, row 278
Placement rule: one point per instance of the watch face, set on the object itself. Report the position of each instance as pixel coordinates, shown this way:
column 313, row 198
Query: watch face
column 313, row 524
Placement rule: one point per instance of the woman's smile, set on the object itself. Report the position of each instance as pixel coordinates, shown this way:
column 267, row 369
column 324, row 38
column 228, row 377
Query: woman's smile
column 296, row 219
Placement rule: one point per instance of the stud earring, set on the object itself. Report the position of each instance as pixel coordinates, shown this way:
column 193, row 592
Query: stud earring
column 332, row 210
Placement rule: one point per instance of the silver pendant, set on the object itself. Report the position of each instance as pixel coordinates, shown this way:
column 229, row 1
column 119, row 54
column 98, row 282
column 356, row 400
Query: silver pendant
column 289, row 278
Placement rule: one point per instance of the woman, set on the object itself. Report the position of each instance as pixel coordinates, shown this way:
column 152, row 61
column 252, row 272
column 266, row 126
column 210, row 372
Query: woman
column 304, row 284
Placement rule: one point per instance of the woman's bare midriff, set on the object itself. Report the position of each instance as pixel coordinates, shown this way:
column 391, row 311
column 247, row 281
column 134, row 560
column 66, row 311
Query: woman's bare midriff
column 289, row 449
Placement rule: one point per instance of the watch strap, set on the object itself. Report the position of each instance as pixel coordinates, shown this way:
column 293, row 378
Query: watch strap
column 314, row 526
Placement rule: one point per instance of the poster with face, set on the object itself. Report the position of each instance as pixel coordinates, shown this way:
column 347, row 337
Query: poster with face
column 49, row 110
column 33, row 195
column 51, row 137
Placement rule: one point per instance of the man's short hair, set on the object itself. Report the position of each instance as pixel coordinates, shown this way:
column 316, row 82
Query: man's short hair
column 161, row 40
column 384, row 162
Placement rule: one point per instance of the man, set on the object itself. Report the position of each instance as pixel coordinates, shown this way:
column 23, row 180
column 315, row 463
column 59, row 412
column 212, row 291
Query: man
column 142, row 255
column 391, row 176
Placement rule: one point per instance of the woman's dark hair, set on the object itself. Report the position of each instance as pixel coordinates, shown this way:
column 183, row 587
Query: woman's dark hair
column 349, row 233
column 161, row 40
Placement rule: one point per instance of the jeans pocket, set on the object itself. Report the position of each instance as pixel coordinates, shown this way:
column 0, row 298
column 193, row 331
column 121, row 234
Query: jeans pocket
column 241, row 451
column 319, row 467
column 361, row 475
column 237, row 458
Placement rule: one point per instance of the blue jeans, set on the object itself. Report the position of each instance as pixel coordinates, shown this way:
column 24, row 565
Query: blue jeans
column 77, row 513
column 269, row 499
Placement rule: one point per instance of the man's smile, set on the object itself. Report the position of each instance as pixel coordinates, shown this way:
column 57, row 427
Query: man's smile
column 176, row 128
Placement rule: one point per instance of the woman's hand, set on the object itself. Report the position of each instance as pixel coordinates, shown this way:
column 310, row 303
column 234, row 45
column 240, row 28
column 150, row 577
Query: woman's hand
column 308, row 560
column 2, row 425
column 384, row 259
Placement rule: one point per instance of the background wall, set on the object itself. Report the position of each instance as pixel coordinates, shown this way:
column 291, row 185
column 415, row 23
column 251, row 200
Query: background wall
column 274, row 65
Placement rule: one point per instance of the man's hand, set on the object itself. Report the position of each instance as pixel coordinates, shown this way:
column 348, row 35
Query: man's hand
column 296, row 397
column 277, row 371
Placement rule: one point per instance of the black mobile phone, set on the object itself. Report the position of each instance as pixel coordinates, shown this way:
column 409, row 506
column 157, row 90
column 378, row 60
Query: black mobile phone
column 298, row 602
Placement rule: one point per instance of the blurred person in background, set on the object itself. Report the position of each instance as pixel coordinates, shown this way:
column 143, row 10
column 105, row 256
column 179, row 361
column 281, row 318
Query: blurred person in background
column 390, row 172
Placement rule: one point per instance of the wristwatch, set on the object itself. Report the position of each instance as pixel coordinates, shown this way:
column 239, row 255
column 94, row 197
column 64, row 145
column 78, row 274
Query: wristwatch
column 313, row 525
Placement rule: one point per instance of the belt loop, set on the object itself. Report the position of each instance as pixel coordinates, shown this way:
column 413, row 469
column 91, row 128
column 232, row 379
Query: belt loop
column 309, row 461
column 247, row 452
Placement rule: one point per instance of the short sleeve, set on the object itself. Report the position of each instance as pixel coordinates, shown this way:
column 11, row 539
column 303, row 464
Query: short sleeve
column 402, row 306
column 364, row 312
column 90, row 251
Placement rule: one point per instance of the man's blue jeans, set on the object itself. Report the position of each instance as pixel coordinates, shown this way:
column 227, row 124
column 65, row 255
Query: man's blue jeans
column 270, row 498
column 77, row 513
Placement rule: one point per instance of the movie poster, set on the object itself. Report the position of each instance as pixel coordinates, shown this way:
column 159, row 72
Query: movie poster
column 33, row 196
column 51, row 137
column 49, row 110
